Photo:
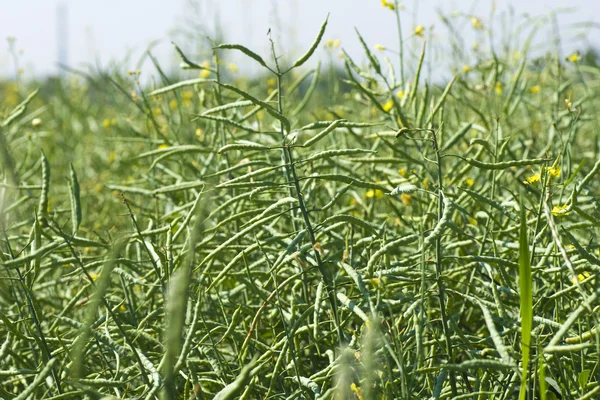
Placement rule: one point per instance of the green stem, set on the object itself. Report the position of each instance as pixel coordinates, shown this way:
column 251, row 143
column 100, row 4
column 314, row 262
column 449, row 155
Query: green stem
column 401, row 45
column 438, row 266
column 288, row 161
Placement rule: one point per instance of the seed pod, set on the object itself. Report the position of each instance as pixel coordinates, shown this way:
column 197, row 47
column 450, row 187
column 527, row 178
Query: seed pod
column 505, row 164
column 43, row 205
column 75, row 201
column 442, row 223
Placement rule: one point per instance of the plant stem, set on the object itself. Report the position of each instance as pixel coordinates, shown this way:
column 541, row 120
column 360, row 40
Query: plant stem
column 438, row 266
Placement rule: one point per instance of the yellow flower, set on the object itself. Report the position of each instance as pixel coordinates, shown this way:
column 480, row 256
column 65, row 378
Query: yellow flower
column 163, row 146
column 402, row 172
column 332, row 43
column 379, row 47
column 173, row 104
column 388, row 106
column 498, row 88
column 205, row 73
column 187, row 98
column 94, row 276
column 534, row 89
column 400, row 94
column 106, row 123
column 388, row 4
column 560, row 211
column 375, row 281
column 569, row 104
column 469, row 181
column 156, row 111
column 271, row 82
column 574, row 58
column 476, row 23
column 406, row 199
column 553, row 171
column 466, row 68
column 419, row 30
column 532, row 179
column 426, row 183
column 356, row 390
column 374, row 193
column 232, row 67
column 122, row 308
column 580, row 277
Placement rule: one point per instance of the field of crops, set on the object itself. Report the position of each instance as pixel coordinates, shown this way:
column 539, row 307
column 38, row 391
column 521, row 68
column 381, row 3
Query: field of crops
column 362, row 232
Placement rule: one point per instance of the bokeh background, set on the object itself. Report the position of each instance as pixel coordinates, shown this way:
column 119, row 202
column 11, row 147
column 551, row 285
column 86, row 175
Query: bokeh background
column 87, row 34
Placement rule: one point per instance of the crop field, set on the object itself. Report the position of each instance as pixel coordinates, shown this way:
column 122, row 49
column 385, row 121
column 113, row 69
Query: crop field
column 359, row 230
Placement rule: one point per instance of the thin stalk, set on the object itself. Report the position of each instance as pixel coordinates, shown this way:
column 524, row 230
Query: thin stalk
column 438, row 266
column 311, row 234
column 288, row 161
column 106, row 304
column 400, row 44
column 44, row 344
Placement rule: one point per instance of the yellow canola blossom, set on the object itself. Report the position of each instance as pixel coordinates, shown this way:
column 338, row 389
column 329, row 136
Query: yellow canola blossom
column 387, row 4
column 560, row 211
column 374, row 193
column 388, row 105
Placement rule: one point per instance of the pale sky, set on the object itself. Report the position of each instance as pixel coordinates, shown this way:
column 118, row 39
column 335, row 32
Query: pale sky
column 109, row 30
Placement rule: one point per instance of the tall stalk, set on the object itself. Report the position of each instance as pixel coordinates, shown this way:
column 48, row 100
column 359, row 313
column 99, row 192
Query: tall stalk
column 438, row 263
column 288, row 160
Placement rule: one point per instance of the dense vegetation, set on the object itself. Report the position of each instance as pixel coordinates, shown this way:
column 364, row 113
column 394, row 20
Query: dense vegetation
column 313, row 233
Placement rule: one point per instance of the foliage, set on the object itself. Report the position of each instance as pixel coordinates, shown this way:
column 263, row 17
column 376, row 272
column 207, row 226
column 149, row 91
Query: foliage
column 217, row 237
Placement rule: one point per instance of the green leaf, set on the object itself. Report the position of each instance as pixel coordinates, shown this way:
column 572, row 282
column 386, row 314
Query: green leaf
column 583, row 378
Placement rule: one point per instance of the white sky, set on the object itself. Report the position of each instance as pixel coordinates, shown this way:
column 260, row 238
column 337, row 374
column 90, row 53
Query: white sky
column 101, row 31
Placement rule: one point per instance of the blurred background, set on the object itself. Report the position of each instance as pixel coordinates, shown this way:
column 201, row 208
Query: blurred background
column 94, row 35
